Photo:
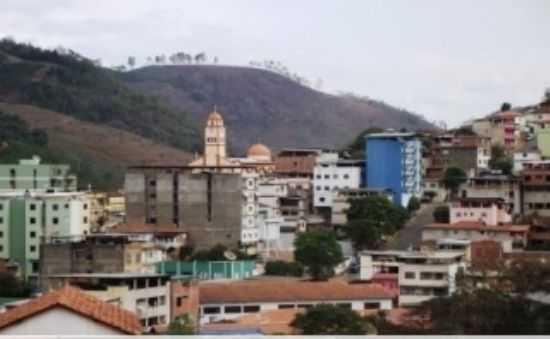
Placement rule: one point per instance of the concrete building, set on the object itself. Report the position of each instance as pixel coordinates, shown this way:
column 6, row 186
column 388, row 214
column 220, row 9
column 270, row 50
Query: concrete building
column 493, row 185
column 535, row 188
column 330, row 174
column 68, row 312
column 394, row 162
column 543, row 142
column 146, row 295
column 341, row 201
column 463, row 151
column 512, row 237
column 296, row 162
column 488, row 211
column 225, row 301
column 420, row 275
column 208, row 270
column 31, row 175
column 521, row 158
column 26, row 218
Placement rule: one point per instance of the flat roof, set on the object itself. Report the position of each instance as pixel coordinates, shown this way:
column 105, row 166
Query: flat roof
column 476, row 226
column 121, row 275
column 391, row 135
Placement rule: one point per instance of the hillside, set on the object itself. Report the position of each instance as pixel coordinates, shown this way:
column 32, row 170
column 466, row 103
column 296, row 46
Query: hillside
column 71, row 84
column 262, row 106
column 96, row 152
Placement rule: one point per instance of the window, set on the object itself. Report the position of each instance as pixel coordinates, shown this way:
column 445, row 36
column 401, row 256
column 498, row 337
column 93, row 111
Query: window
column 410, row 275
column 344, row 305
column 85, row 220
column 285, row 306
column 32, row 207
column 327, row 176
column 67, row 206
column 211, row 310
column 251, row 309
column 32, row 248
column 55, row 220
column 1, row 220
column 327, row 188
column 162, row 300
column 318, row 188
column 304, row 306
column 319, row 176
column 321, row 199
column 1, row 248
column 335, row 176
column 346, row 176
column 232, row 309
column 55, row 207
column 371, row 306
column 85, row 206
column 179, row 301
column 1, row 207
column 33, row 234
column 1, row 234
column 35, row 267
column 32, row 220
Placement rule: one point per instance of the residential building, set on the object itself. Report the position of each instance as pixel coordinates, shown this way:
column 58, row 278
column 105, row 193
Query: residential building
column 488, row 211
column 330, row 174
column 296, row 162
column 535, row 188
column 521, row 158
column 505, row 130
column 98, row 209
column 543, row 141
column 342, row 197
column 394, row 162
column 467, row 152
column 433, row 188
column 170, row 239
column 208, row 270
column 145, row 294
column 68, row 312
column 230, row 300
column 31, row 175
column 420, row 276
column 493, row 185
column 512, row 237
column 25, row 218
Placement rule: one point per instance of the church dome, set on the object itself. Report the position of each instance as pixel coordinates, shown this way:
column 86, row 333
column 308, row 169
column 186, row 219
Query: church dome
column 259, row 152
column 214, row 119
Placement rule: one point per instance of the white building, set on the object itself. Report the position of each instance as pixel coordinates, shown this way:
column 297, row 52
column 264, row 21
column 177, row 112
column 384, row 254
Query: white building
column 521, row 158
column 330, row 174
column 420, row 275
column 230, row 300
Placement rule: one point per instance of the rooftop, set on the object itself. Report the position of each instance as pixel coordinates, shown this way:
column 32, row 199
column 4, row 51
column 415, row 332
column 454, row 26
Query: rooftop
column 76, row 301
column 391, row 135
column 281, row 290
column 122, row 275
column 477, row 226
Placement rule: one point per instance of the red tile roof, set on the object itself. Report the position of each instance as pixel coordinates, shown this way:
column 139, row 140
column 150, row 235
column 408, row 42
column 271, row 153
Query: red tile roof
column 477, row 226
column 79, row 302
column 287, row 290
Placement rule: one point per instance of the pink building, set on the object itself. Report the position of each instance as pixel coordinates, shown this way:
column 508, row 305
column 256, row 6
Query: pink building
column 488, row 211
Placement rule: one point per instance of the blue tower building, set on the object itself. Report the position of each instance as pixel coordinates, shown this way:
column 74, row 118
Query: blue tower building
column 394, row 162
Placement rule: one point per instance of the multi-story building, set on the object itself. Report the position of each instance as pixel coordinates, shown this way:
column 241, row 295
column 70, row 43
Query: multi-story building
column 512, row 237
column 296, row 162
column 25, row 218
column 145, row 294
column 463, row 151
column 31, row 175
column 330, row 174
column 535, row 188
column 208, row 270
column 489, row 211
column 521, row 158
column 493, row 185
column 394, row 162
column 420, row 276
column 341, row 201
column 505, row 130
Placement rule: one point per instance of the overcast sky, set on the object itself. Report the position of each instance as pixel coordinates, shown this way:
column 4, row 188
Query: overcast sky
column 451, row 60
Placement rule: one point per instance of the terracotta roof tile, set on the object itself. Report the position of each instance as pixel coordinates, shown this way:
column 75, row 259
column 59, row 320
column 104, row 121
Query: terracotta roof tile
column 79, row 302
column 288, row 290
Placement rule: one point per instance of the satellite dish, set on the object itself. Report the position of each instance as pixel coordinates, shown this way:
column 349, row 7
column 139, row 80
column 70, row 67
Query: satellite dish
column 230, row 255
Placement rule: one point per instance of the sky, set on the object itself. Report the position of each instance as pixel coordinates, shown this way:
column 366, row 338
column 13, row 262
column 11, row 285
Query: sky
column 446, row 60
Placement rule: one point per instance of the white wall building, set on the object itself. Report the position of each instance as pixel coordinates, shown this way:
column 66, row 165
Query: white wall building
column 330, row 174
column 520, row 158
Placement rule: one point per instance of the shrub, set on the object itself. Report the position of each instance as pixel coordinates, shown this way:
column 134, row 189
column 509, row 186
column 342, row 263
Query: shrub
column 284, row 268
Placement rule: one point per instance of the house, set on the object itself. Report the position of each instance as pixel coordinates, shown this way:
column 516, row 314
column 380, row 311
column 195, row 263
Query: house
column 394, row 162
column 512, row 237
column 417, row 276
column 489, row 211
column 145, row 294
column 535, row 184
column 467, row 152
column 68, row 311
column 224, row 301
column 493, row 185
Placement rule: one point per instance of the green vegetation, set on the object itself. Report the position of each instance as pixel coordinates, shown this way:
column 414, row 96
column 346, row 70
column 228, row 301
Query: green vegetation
column 500, row 161
column 216, row 253
column 284, row 268
column 23, row 142
column 13, row 287
column 356, row 149
column 372, row 218
column 70, row 84
column 413, row 205
column 453, row 178
column 327, row 319
column 442, row 214
column 182, row 325
column 319, row 252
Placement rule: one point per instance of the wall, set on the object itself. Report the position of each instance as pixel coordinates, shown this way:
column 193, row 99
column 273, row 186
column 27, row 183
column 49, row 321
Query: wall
column 59, row 321
column 384, row 166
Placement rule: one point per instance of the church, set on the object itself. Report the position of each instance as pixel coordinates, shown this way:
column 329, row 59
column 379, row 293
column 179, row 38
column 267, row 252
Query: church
column 215, row 159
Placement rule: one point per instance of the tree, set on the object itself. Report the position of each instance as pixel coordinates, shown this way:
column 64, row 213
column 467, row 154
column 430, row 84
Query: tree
column 370, row 218
column 453, row 178
column 182, row 325
column 413, row 205
column 319, row 252
column 500, row 161
column 442, row 214
column 131, row 61
column 283, row 268
column 12, row 287
column 328, row 319
column 357, row 147
column 505, row 107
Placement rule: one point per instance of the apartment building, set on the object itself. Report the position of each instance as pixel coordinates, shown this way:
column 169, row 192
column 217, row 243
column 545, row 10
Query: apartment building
column 394, row 162
column 468, row 152
column 25, row 218
column 331, row 174
column 488, row 211
column 420, row 276
column 145, row 294
column 535, row 192
column 296, row 162
column 512, row 237
column 493, row 185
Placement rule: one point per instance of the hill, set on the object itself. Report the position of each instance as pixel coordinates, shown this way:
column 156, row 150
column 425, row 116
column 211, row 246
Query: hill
column 262, row 106
column 97, row 153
